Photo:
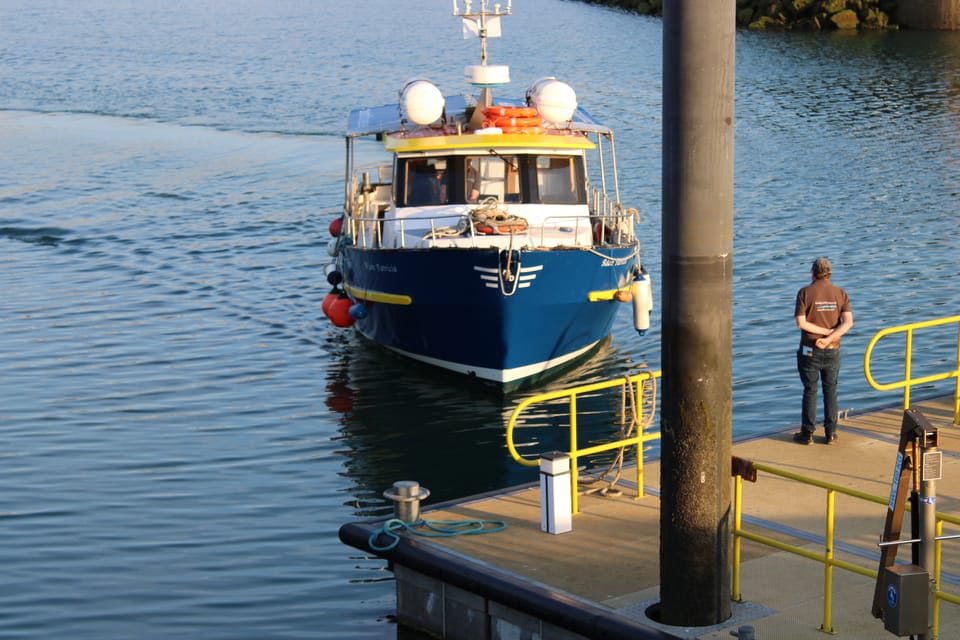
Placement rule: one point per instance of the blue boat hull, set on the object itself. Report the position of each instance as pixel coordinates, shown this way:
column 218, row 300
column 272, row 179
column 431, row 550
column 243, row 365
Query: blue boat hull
column 453, row 308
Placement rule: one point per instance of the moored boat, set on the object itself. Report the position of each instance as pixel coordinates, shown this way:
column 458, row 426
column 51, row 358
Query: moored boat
column 491, row 240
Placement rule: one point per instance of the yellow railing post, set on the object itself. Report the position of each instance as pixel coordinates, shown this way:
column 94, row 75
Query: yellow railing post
column 828, row 565
column 956, row 391
column 574, row 474
column 908, row 380
column 908, row 369
column 737, row 496
column 936, row 578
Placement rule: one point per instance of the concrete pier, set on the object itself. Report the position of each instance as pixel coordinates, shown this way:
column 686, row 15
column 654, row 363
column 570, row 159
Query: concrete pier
column 600, row 579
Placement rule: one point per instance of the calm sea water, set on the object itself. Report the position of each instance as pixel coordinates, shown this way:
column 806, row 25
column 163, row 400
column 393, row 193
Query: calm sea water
column 182, row 433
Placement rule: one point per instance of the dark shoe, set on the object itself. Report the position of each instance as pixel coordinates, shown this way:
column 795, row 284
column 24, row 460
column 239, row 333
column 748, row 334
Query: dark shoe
column 803, row 437
column 830, row 438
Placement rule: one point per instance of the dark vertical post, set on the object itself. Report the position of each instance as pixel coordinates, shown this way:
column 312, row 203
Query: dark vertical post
column 929, row 14
column 931, row 461
column 920, row 460
column 696, row 409
column 913, row 436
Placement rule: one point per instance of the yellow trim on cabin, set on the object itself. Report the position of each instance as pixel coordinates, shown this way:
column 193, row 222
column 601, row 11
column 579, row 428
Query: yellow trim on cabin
column 395, row 144
column 377, row 296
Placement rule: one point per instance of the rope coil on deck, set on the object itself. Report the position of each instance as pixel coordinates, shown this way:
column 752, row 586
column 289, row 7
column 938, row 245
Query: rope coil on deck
column 490, row 219
column 436, row 529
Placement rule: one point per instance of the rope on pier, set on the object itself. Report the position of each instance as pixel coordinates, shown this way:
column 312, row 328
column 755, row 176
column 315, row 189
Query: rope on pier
column 434, row 529
column 636, row 421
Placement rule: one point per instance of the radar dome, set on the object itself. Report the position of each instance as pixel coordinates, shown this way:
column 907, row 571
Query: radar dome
column 487, row 75
column 555, row 101
column 421, row 102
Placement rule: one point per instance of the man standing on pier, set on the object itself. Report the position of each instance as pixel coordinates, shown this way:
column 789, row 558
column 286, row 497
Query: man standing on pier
column 823, row 315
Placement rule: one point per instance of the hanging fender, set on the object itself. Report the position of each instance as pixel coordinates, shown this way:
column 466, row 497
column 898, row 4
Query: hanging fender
column 642, row 290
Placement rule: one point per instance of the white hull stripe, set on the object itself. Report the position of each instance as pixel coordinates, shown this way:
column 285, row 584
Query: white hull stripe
column 502, row 376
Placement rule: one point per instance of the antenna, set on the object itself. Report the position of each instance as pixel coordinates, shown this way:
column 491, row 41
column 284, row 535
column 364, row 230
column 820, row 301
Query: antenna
column 481, row 24
column 479, row 21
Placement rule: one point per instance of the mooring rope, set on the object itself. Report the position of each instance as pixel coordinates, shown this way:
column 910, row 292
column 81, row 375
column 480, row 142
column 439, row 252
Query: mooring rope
column 616, row 467
column 435, row 529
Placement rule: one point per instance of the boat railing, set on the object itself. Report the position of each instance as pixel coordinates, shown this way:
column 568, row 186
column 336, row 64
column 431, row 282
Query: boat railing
column 578, row 227
column 616, row 222
column 368, row 195
column 369, row 229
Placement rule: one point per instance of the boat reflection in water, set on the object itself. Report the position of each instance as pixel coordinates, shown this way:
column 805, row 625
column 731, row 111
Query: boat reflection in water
column 398, row 422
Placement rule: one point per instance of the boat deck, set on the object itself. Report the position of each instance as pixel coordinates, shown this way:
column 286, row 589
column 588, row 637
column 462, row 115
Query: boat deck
column 611, row 557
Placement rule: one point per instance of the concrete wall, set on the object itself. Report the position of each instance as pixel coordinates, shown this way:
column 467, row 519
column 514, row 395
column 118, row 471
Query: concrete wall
column 445, row 611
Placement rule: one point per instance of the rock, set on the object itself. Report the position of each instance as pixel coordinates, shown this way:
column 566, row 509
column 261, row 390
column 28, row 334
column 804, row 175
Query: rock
column 874, row 19
column 831, row 7
column 766, row 22
column 745, row 15
column 846, row 19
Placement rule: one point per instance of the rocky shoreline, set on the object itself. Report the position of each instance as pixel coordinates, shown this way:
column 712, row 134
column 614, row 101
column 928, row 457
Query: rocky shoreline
column 792, row 14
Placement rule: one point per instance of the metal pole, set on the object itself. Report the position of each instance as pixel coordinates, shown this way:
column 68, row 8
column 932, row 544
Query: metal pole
column 930, row 472
column 928, row 536
column 697, row 221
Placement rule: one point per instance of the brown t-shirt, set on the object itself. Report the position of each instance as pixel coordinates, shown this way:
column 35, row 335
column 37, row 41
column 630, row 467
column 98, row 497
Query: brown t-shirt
column 822, row 303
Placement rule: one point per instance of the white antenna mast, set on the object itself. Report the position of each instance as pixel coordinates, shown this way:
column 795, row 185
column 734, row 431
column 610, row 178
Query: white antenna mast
column 483, row 23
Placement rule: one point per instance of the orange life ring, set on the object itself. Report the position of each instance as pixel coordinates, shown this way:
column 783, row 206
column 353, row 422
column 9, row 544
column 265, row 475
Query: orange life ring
column 513, row 121
column 513, row 112
column 503, row 229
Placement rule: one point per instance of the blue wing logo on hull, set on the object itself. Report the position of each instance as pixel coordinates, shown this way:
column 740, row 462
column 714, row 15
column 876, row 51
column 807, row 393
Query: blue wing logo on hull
column 491, row 277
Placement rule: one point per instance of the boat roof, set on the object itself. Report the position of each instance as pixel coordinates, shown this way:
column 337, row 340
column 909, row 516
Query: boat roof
column 415, row 142
column 368, row 121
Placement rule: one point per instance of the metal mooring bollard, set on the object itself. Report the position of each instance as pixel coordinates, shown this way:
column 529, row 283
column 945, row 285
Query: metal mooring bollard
column 745, row 632
column 556, row 498
column 406, row 496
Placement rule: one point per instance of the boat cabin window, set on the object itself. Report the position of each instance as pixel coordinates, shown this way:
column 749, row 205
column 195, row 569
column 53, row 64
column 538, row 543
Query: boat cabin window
column 425, row 180
column 498, row 176
column 558, row 181
column 514, row 178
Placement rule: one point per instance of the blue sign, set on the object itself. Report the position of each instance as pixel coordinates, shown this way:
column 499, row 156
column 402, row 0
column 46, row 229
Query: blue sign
column 896, row 479
column 892, row 596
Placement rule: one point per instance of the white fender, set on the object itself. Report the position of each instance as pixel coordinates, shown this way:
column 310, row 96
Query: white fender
column 642, row 290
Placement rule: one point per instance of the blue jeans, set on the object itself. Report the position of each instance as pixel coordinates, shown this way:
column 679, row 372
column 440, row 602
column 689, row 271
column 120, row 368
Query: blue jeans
column 822, row 365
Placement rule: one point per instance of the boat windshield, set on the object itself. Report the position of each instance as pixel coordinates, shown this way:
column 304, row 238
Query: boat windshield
column 510, row 178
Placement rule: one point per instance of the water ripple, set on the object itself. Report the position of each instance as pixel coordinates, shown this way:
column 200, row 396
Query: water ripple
column 183, row 433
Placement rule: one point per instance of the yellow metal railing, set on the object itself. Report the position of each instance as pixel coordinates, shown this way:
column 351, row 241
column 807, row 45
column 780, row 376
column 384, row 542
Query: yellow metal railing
column 632, row 384
column 908, row 379
column 939, row 595
column 749, row 469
